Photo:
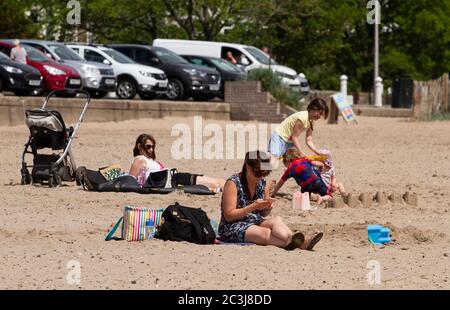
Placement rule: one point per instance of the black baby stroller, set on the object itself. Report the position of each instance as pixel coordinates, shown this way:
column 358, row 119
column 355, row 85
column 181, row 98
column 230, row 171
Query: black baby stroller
column 48, row 130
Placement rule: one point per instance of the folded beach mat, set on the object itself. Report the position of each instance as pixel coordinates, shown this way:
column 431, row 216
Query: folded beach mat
column 196, row 189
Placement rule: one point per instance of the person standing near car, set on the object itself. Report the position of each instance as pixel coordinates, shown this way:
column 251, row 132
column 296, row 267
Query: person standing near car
column 18, row 53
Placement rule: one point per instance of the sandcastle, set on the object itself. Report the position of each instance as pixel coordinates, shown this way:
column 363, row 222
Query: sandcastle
column 372, row 199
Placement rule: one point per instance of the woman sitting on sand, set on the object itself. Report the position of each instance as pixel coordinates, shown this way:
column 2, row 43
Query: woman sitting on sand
column 145, row 162
column 246, row 207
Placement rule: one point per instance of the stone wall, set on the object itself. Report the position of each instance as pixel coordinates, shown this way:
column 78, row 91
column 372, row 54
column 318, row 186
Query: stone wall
column 248, row 102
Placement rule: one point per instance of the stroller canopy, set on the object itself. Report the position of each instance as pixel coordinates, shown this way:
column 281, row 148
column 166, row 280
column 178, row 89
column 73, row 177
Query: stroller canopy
column 48, row 119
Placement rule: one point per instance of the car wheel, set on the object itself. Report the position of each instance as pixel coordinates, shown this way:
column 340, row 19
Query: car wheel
column 175, row 90
column 147, row 96
column 1, row 85
column 126, row 89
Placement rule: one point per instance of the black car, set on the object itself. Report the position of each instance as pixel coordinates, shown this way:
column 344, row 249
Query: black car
column 228, row 71
column 18, row 78
column 185, row 80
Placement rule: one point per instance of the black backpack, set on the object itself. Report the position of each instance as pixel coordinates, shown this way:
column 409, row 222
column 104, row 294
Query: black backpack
column 186, row 224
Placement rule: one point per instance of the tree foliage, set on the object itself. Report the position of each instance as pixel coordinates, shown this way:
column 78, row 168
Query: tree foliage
column 321, row 38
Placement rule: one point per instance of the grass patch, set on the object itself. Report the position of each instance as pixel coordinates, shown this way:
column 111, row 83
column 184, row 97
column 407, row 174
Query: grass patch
column 271, row 83
column 443, row 116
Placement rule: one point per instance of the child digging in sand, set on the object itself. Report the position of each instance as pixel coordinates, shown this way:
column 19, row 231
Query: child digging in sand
column 302, row 170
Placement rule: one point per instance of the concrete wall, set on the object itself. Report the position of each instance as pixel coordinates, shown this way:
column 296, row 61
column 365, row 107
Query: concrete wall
column 12, row 109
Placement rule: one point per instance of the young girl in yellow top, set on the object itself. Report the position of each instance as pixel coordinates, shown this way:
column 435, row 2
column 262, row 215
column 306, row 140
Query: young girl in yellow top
column 288, row 133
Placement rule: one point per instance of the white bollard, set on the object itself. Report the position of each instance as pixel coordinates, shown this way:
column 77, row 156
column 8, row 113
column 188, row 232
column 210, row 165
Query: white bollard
column 378, row 92
column 344, row 79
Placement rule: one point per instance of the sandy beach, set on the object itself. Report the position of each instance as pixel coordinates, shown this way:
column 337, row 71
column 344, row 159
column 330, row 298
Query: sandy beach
column 43, row 230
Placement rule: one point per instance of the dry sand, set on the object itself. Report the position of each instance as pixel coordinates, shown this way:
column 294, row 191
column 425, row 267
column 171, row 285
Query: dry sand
column 42, row 229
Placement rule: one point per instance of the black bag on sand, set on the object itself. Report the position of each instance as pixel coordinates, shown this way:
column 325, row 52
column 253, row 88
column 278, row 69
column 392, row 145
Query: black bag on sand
column 186, row 224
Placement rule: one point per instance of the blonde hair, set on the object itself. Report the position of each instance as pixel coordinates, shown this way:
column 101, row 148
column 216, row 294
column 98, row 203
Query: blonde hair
column 290, row 155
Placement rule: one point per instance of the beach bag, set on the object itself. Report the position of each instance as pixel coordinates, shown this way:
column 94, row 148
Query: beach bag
column 134, row 220
column 186, row 224
column 158, row 179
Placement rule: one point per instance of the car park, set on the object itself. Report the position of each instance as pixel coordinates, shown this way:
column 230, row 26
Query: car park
column 228, row 71
column 55, row 75
column 248, row 57
column 185, row 79
column 19, row 78
column 97, row 79
column 132, row 78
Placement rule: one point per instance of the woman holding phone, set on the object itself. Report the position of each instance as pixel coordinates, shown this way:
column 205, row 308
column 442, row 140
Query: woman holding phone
column 246, row 210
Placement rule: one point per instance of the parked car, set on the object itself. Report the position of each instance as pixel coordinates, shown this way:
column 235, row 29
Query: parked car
column 248, row 57
column 132, row 78
column 228, row 71
column 304, row 84
column 55, row 75
column 97, row 79
column 18, row 78
column 185, row 80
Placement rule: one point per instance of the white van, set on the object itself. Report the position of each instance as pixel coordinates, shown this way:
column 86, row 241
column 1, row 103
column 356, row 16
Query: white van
column 248, row 57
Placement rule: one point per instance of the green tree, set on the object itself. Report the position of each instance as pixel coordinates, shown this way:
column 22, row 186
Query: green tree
column 14, row 23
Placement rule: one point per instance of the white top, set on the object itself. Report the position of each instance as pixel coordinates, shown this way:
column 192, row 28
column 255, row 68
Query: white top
column 19, row 54
column 150, row 165
column 326, row 176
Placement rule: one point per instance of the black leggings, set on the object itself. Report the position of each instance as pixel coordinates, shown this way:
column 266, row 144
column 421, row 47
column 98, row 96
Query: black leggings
column 183, row 178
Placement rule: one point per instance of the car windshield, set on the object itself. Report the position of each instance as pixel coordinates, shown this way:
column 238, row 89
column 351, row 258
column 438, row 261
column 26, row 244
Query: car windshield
column 3, row 56
column 64, row 52
column 170, row 57
column 260, row 56
column 34, row 54
column 118, row 56
column 225, row 65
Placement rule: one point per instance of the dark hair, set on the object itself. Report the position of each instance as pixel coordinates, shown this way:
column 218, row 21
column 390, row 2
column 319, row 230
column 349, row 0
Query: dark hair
column 253, row 160
column 141, row 140
column 318, row 104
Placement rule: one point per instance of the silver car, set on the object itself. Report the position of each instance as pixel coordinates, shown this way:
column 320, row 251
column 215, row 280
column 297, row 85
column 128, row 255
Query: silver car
column 98, row 79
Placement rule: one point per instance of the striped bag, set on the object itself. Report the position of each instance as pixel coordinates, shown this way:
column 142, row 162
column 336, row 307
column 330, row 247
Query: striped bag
column 134, row 220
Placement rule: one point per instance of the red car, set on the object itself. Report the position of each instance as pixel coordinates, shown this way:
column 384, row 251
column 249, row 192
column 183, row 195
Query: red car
column 56, row 75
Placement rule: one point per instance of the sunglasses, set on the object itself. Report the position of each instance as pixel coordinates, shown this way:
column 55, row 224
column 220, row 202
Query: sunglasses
column 149, row 146
column 261, row 173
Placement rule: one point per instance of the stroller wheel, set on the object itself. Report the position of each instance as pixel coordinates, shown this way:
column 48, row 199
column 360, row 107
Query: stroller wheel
column 26, row 177
column 55, row 181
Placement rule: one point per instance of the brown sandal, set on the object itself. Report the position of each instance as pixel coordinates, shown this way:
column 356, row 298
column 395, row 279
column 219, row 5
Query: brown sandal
column 297, row 239
column 313, row 241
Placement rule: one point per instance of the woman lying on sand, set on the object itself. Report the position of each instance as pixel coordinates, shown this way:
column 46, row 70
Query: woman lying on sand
column 246, row 208
column 145, row 162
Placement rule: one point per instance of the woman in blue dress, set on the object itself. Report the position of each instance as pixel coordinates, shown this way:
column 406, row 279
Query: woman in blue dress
column 246, row 209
